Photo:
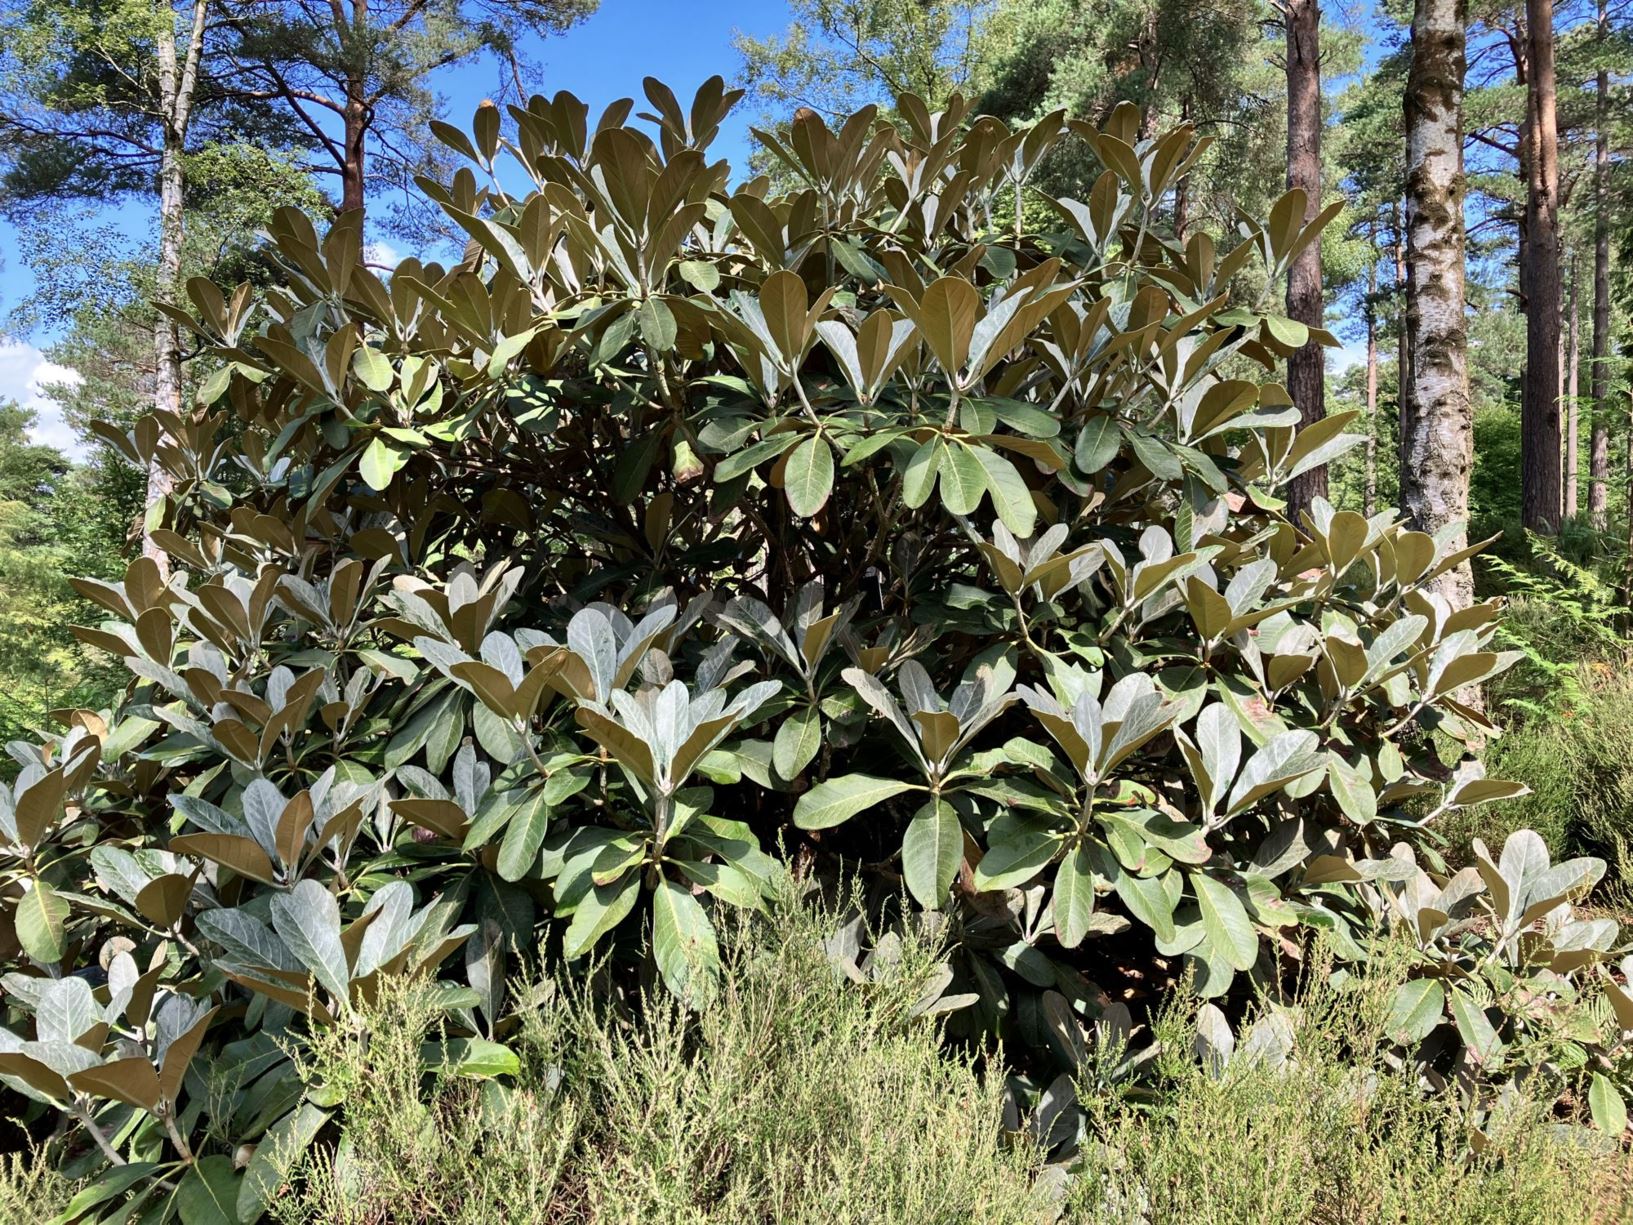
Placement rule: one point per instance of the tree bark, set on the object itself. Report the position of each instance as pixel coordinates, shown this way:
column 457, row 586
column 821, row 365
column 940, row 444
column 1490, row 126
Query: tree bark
column 1306, row 375
column 1627, row 578
column 1598, row 374
column 178, row 74
column 1369, row 500
column 1539, row 417
column 166, row 338
column 1403, row 352
column 1438, row 446
column 1573, row 359
column 1182, row 189
column 356, row 117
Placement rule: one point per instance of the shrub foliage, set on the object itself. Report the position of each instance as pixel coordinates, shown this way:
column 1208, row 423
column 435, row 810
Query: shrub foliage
column 544, row 598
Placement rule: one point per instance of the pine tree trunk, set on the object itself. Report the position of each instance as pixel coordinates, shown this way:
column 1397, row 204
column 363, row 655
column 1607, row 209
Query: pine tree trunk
column 1573, row 359
column 1306, row 368
column 1403, row 354
column 1627, row 580
column 177, row 76
column 1370, row 494
column 354, row 147
column 356, row 118
column 166, row 338
column 1598, row 375
column 1438, row 450
column 1539, row 417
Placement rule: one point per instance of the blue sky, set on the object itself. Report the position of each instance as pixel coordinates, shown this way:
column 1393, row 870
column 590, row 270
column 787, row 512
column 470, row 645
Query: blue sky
column 684, row 42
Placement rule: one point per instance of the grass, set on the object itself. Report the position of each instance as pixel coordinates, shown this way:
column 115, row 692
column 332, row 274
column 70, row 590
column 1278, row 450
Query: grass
column 1329, row 1133
column 802, row 1097
column 797, row 1097
column 30, row 1190
column 1575, row 761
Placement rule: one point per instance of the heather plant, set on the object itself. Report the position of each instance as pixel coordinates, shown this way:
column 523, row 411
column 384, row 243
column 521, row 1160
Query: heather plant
column 543, row 601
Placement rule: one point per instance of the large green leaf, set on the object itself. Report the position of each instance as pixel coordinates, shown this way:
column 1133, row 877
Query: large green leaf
column 1352, row 788
column 946, row 316
column 798, row 739
column 42, row 921
column 657, row 324
column 208, row 1192
column 808, row 477
column 932, row 849
column 1606, row 1105
column 839, row 799
column 598, row 912
column 1015, row 860
column 1482, row 1044
column 684, row 944
column 471, row 1058
column 112, row 1183
column 1147, row 901
column 524, row 835
column 380, row 462
column 1418, row 1007
column 1010, row 496
column 919, row 477
column 1097, row 443
column 1285, row 757
column 307, row 919
column 752, row 456
column 1226, row 922
column 963, row 482
column 282, row 1146
column 1074, row 897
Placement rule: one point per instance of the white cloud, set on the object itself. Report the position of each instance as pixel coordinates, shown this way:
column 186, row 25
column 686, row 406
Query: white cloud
column 25, row 373
column 1341, row 360
column 382, row 253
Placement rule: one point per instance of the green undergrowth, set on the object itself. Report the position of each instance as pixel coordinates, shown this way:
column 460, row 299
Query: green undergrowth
column 797, row 1096
column 30, row 1188
column 801, row 1096
column 1576, row 762
column 1301, row 1122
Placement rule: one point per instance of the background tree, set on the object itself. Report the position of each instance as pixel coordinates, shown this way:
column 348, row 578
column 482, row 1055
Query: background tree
column 355, row 75
column 1540, row 418
column 838, row 55
column 53, row 523
column 178, row 63
column 1365, row 150
column 1437, row 440
column 100, row 102
column 1200, row 62
column 1599, row 372
column 1306, row 368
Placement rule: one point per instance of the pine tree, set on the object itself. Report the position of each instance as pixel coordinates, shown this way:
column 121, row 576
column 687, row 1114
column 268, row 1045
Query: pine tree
column 102, row 103
column 354, row 74
column 1540, row 417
